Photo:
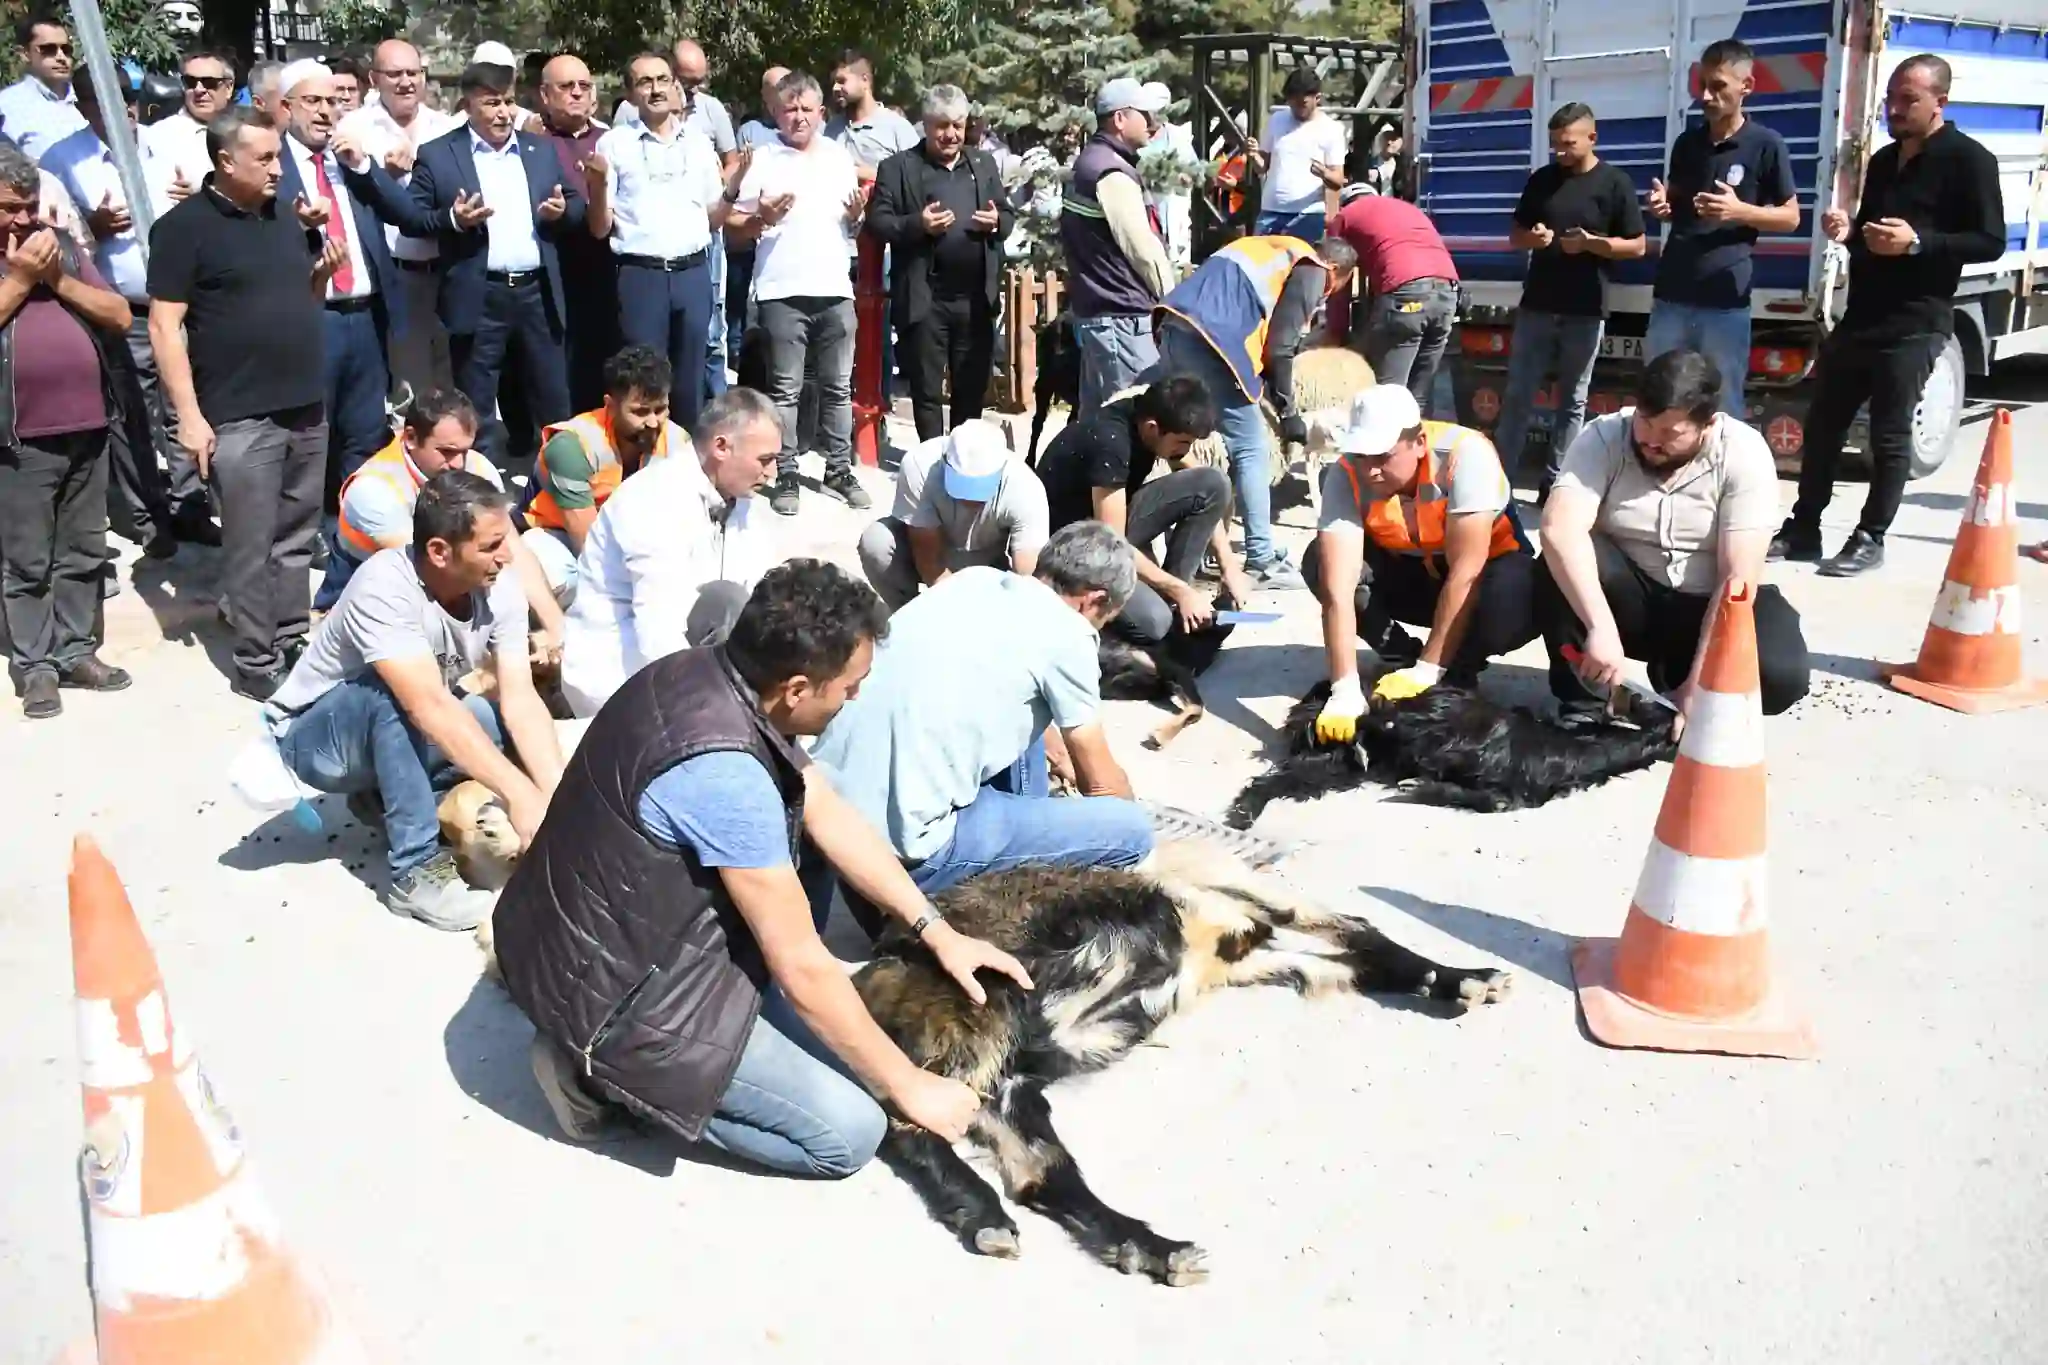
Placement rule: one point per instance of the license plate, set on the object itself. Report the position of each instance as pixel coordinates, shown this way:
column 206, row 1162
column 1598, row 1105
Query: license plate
column 1621, row 348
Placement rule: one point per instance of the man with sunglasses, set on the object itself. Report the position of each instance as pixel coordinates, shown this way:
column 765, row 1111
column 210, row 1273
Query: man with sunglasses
column 39, row 109
column 173, row 150
column 391, row 131
column 568, row 112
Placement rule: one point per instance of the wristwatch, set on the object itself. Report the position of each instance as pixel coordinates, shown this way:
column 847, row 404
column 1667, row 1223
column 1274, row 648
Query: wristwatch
column 1913, row 247
column 731, row 195
column 925, row 921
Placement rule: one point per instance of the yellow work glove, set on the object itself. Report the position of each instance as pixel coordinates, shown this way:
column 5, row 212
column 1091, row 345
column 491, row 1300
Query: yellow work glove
column 1411, row 681
column 1337, row 722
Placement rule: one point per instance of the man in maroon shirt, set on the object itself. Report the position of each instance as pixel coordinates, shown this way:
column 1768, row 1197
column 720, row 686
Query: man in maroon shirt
column 1414, row 288
column 568, row 100
column 56, row 314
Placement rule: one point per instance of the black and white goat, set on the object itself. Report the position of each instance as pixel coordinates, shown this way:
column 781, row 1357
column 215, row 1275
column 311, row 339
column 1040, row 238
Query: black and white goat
column 1112, row 955
column 1450, row 747
column 1166, row 674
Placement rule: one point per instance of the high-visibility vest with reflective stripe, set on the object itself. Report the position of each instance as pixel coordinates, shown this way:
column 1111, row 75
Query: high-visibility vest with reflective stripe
column 390, row 467
column 594, row 429
column 1416, row 524
column 1230, row 299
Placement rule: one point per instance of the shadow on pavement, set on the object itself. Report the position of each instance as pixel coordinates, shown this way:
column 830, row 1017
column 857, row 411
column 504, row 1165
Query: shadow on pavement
column 279, row 842
column 183, row 595
column 1953, row 502
column 1530, row 947
column 1844, row 666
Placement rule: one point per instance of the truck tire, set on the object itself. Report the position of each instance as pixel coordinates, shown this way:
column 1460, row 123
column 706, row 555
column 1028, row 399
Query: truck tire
column 1939, row 415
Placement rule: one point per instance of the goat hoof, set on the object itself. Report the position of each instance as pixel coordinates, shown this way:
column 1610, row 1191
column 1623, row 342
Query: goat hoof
column 1484, row 988
column 1170, row 1263
column 1426, row 987
column 997, row 1241
column 1189, row 1265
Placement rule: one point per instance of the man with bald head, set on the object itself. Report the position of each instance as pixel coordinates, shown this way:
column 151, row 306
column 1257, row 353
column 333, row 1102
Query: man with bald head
column 569, row 122
column 337, row 190
column 739, row 247
column 389, row 132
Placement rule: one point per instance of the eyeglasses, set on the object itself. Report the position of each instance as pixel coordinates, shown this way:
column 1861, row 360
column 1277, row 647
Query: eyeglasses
column 574, row 87
column 400, row 73
column 53, row 49
column 205, row 82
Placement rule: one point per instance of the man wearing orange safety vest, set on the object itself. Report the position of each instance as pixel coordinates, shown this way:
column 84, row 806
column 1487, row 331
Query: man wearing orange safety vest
column 1236, row 324
column 377, row 500
column 583, row 460
column 1418, row 525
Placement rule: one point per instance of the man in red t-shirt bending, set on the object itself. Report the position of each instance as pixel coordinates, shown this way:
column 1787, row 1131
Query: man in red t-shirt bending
column 1414, row 288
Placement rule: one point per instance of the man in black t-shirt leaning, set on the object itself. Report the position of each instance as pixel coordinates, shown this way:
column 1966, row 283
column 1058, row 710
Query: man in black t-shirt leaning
column 1576, row 215
column 1100, row 469
column 1931, row 205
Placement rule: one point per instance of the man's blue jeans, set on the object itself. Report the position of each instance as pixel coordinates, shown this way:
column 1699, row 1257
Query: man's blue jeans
column 792, row 1105
column 714, row 344
column 1308, row 226
column 357, row 738
column 1016, row 820
column 1184, row 352
column 1721, row 333
column 1545, row 344
column 1116, row 349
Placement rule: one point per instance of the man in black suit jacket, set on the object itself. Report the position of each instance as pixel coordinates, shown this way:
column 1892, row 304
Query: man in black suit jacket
column 944, row 212
column 338, row 193
column 497, row 201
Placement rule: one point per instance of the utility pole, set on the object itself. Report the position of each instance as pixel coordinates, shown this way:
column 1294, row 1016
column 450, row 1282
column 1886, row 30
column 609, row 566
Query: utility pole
column 106, row 79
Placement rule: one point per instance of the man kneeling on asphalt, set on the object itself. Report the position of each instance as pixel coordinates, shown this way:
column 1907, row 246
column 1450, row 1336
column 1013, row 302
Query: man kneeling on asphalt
column 656, row 932
column 945, row 750
column 439, row 433
column 672, row 557
column 962, row 500
column 1657, row 508
column 1100, row 469
column 370, row 711
column 1418, row 526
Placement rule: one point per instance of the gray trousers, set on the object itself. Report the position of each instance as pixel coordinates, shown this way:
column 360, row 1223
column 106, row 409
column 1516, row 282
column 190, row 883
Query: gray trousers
column 818, row 333
column 886, row 558
column 267, row 473
column 420, row 357
column 187, row 489
column 1405, row 335
column 53, row 548
column 1115, row 350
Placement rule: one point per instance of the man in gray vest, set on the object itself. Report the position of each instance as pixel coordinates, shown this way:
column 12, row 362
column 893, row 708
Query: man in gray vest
column 1117, row 266
column 658, row 935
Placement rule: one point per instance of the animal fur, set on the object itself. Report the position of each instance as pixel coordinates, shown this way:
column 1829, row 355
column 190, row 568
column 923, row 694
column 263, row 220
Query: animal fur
column 1450, row 747
column 1165, row 674
column 1112, row 955
column 1059, row 376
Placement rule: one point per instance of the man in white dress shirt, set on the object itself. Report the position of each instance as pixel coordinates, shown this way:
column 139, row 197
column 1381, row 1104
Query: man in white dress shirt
column 174, row 155
column 675, row 552
column 40, row 108
column 391, row 130
column 656, row 192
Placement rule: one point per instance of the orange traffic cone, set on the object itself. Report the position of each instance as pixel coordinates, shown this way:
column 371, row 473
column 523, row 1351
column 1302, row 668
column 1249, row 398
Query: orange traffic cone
column 1691, row 970
column 1970, row 658
column 187, row 1265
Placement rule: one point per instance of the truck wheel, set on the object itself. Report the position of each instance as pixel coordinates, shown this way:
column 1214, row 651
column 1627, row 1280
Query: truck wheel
column 1939, row 415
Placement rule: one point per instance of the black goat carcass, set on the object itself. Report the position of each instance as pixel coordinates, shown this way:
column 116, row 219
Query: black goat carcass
column 1165, row 673
column 1451, row 747
column 1112, row 954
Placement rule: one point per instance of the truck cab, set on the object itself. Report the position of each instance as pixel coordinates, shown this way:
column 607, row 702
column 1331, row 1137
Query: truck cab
column 1487, row 73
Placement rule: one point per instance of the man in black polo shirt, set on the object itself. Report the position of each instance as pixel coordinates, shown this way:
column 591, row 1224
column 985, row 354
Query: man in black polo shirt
column 944, row 213
column 1931, row 205
column 1731, row 179
column 1576, row 214
column 235, row 285
column 1100, row 469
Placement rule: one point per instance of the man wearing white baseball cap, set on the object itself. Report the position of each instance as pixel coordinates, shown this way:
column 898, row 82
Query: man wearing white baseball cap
column 1117, row 266
column 1418, row 525
column 962, row 500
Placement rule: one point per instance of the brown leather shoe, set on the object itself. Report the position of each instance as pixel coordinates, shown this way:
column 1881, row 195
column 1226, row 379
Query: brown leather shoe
column 94, row 674
column 39, row 699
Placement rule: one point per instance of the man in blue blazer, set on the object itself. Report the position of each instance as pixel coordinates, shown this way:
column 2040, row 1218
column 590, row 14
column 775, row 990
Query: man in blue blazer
column 497, row 201
column 339, row 193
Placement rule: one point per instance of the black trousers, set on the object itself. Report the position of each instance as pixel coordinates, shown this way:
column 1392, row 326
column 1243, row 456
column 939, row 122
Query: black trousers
column 956, row 337
column 138, row 498
column 53, row 548
column 1889, row 376
column 1184, row 508
column 1402, row 588
column 516, row 328
column 1661, row 626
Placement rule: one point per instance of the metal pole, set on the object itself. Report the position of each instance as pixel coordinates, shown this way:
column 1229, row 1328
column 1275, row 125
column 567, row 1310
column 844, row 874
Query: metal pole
column 106, row 79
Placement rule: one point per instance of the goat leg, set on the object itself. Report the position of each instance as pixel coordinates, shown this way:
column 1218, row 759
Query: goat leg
column 1381, row 966
column 951, row 1190
column 1042, row 1176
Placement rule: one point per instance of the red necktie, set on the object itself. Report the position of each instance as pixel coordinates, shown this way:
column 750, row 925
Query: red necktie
column 344, row 278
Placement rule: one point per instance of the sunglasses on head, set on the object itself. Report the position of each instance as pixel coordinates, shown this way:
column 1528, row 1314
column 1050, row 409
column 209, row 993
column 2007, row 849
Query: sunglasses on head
column 53, row 49
column 205, row 82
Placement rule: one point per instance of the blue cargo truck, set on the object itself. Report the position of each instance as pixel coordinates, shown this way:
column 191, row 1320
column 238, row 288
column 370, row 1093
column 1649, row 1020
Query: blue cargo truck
column 1486, row 74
